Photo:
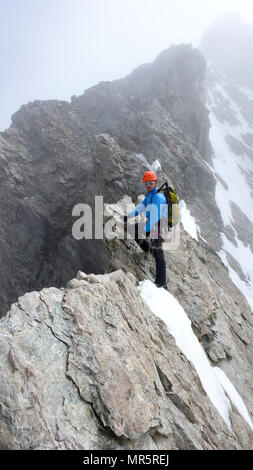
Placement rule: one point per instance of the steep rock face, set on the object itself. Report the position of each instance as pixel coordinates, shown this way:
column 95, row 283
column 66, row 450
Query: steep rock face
column 90, row 367
column 44, row 176
column 172, row 83
column 57, row 154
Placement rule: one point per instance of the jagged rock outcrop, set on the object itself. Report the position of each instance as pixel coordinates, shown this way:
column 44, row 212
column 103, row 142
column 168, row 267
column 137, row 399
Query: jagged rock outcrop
column 57, row 154
column 90, row 367
column 171, row 86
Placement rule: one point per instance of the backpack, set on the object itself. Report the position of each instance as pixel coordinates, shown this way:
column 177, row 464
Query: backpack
column 173, row 204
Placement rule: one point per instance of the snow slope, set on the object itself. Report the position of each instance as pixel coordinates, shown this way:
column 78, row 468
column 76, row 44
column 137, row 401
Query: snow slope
column 231, row 137
column 188, row 221
column 214, row 381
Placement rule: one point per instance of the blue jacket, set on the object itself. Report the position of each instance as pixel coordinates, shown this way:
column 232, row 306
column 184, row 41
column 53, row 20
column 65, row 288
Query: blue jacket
column 153, row 213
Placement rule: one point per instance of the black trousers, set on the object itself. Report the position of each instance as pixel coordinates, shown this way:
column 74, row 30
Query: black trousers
column 155, row 248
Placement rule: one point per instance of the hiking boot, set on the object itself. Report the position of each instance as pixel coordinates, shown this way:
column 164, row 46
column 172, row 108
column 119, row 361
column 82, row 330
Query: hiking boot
column 161, row 284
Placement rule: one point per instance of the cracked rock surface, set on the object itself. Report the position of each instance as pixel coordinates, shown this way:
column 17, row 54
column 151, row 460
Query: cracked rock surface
column 90, row 367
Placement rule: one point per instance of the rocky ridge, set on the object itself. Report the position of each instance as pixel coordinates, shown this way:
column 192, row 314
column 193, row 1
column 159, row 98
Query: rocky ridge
column 64, row 348
column 57, row 154
column 90, row 367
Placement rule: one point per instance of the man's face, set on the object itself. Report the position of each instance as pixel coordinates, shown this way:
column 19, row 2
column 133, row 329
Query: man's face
column 149, row 186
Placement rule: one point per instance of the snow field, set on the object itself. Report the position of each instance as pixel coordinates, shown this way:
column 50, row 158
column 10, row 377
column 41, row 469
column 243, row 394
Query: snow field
column 214, row 381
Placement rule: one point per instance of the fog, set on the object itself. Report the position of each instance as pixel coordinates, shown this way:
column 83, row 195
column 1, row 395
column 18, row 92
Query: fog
column 229, row 44
column 53, row 49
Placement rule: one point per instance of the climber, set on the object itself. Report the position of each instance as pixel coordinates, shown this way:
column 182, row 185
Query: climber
column 148, row 236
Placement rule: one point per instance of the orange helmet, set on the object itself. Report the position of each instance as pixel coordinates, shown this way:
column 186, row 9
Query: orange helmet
column 149, row 176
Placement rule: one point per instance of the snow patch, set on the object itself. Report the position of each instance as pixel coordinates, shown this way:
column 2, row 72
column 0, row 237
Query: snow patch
column 188, row 221
column 233, row 395
column 243, row 255
column 214, row 381
column 156, row 165
column 142, row 158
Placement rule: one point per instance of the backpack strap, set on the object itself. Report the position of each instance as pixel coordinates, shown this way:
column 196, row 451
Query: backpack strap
column 168, row 188
column 159, row 190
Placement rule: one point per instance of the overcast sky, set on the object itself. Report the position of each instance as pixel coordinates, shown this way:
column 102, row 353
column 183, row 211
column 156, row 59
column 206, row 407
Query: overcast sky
column 58, row 48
